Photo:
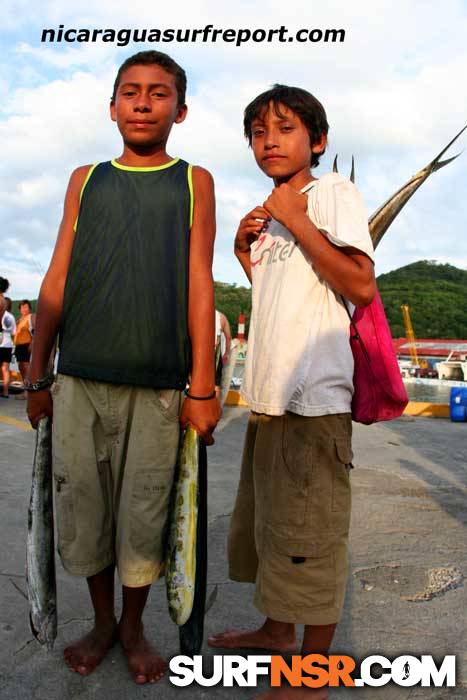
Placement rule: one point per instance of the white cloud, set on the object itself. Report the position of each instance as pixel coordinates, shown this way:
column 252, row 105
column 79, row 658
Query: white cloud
column 395, row 93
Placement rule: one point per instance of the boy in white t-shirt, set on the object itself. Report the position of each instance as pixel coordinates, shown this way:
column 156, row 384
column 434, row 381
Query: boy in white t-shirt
column 305, row 247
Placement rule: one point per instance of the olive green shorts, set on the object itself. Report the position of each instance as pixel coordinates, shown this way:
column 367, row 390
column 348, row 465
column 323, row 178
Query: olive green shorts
column 114, row 453
column 290, row 525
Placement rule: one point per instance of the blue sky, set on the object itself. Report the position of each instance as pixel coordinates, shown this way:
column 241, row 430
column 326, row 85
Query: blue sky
column 395, row 93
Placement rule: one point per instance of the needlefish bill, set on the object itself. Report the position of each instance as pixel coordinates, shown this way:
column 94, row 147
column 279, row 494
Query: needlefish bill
column 40, row 564
column 383, row 217
column 186, row 561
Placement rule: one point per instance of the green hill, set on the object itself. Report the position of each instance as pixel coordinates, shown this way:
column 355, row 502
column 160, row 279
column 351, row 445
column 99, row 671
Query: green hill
column 436, row 294
column 232, row 301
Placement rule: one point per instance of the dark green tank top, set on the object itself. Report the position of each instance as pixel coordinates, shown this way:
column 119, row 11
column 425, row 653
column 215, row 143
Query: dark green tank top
column 125, row 310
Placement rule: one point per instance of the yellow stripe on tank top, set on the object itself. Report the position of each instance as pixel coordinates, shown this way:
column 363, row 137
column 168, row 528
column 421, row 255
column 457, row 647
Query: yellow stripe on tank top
column 192, row 196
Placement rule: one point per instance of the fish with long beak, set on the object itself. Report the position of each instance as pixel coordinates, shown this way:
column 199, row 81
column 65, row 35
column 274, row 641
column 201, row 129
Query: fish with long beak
column 40, row 553
column 383, row 217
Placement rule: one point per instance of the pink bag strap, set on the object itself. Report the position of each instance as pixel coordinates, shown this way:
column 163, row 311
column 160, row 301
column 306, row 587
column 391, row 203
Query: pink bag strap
column 356, row 335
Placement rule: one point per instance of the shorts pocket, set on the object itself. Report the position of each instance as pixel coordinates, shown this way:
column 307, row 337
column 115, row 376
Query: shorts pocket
column 64, row 507
column 168, row 401
column 299, row 574
column 341, row 483
column 149, row 510
column 290, row 474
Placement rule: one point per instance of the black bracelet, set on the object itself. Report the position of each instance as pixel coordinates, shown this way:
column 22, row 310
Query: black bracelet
column 39, row 384
column 200, row 398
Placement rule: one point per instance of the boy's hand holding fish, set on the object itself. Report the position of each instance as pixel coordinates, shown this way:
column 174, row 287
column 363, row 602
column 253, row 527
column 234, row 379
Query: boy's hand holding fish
column 39, row 406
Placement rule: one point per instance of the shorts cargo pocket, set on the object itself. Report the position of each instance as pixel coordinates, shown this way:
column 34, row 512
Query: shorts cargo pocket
column 291, row 474
column 299, row 573
column 148, row 511
column 64, row 504
column 341, row 481
column 168, row 401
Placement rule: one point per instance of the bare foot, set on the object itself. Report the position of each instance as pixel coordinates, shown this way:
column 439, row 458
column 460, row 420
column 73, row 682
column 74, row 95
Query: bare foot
column 288, row 693
column 86, row 654
column 143, row 660
column 257, row 639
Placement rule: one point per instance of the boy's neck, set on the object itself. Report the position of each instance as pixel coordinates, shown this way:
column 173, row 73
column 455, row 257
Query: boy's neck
column 296, row 180
column 137, row 158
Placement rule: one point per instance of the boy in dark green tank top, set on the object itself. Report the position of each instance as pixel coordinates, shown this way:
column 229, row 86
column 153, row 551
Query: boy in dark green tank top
column 129, row 291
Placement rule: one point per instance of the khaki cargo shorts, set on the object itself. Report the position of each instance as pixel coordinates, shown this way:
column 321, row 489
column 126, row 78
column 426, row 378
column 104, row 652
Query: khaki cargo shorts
column 114, row 453
column 290, row 525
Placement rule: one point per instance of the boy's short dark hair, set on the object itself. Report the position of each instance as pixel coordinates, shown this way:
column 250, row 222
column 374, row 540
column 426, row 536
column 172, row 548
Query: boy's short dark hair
column 307, row 108
column 25, row 301
column 4, row 284
column 156, row 58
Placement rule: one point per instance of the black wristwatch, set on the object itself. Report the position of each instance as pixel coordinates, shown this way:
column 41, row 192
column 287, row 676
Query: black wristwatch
column 40, row 384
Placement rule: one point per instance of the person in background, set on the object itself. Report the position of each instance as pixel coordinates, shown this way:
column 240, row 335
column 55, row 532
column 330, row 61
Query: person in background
column 6, row 346
column 222, row 347
column 23, row 339
column 4, row 284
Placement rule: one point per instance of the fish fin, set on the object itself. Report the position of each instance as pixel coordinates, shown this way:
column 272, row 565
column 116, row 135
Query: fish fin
column 441, row 163
column 435, row 161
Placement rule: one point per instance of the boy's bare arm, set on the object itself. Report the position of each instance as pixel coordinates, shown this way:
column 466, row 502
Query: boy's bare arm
column 203, row 415
column 347, row 270
column 50, row 302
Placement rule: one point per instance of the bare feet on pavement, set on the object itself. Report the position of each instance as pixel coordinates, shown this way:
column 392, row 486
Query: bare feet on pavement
column 256, row 639
column 84, row 655
column 144, row 662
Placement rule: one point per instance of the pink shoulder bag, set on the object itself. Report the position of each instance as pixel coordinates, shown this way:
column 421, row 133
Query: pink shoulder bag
column 379, row 392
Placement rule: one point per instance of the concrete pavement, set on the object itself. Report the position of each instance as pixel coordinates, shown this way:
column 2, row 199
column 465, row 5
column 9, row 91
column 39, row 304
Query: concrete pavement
column 406, row 592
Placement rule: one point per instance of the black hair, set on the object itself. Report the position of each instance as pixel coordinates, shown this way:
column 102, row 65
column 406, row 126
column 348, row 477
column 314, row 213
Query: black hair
column 25, row 301
column 308, row 109
column 8, row 303
column 4, row 284
column 154, row 58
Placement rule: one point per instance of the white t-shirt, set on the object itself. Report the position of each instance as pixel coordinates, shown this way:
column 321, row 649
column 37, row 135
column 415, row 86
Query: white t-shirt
column 8, row 330
column 299, row 358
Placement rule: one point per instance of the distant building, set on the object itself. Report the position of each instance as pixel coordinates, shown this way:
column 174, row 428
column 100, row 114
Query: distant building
column 432, row 348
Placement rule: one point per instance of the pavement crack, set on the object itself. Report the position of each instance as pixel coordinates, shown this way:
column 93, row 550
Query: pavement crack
column 218, row 517
column 20, row 590
column 9, row 575
column 30, row 641
column 75, row 619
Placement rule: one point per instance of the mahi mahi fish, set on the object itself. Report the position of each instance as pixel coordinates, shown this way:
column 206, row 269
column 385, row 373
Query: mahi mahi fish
column 40, row 568
column 181, row 552
column 383, row 217
column 186, row 563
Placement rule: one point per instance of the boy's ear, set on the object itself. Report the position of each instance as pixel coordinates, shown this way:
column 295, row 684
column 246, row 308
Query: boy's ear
column 181, row 114
column 113, row 114
column 320, row 145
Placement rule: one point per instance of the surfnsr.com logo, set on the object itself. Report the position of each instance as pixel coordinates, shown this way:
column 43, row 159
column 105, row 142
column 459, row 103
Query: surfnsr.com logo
column 315, row 671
